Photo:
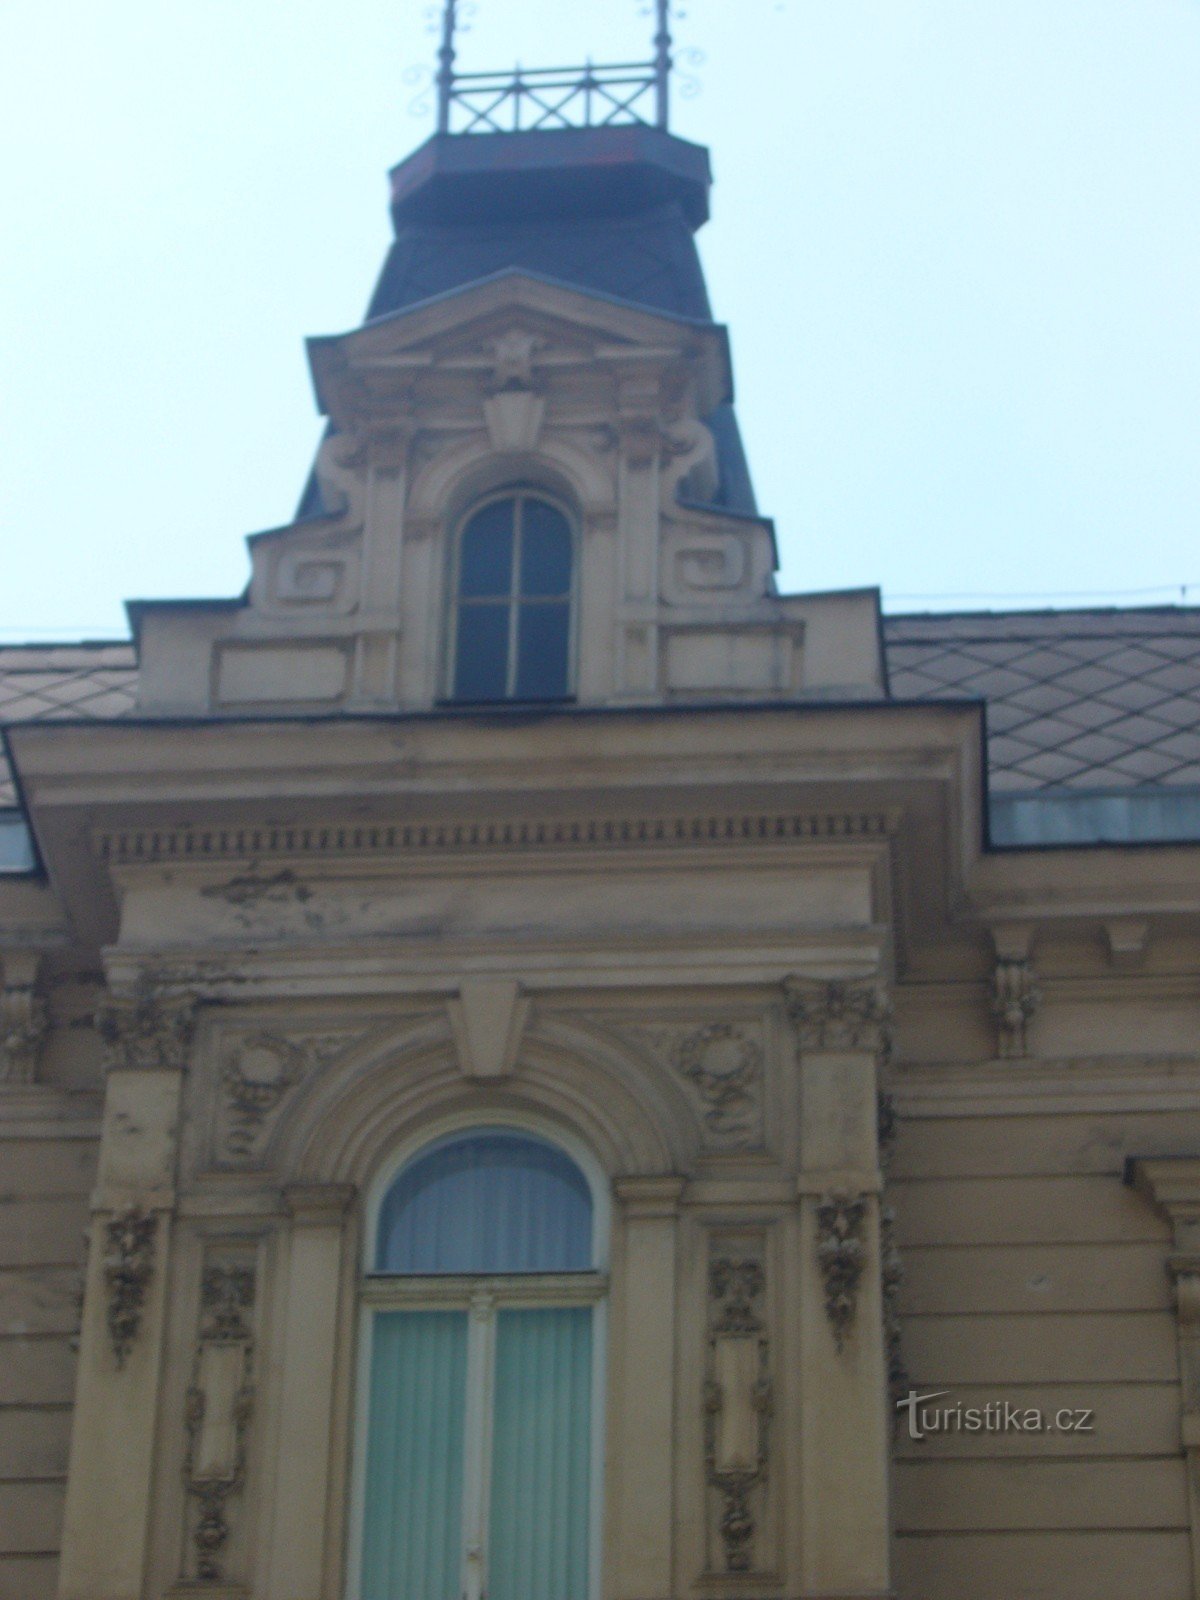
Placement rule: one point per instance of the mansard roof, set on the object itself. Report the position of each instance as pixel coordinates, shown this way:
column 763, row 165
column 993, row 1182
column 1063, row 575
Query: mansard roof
column 608, row 211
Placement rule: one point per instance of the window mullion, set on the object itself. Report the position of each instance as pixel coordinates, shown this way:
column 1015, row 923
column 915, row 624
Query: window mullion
column 477, row 1453
column 514, row 594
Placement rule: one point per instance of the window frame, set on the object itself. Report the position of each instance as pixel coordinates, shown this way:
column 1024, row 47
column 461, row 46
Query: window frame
column 482, row 1296
column 515, row 492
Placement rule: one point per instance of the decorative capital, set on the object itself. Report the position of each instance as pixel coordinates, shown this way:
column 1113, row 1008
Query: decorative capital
column 648, row 1199
column 839, row 1013
column 318, row 1204
column 1015, row 998
column 146, row 1030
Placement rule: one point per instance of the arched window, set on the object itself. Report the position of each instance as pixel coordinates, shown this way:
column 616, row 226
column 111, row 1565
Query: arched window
column 513, row 602
column 480, row 1469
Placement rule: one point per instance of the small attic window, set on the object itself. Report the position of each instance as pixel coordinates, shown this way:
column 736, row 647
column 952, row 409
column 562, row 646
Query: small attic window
column 514, row 582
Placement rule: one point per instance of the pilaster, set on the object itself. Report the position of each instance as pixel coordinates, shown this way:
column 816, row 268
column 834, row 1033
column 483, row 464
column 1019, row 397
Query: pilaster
column 110, row 1484
column 296, row 1561
column 1173, row 1183
column 641, row 1417
column 841, row 1031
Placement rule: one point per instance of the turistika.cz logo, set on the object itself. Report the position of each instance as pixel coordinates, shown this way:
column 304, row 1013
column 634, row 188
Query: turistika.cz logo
column 997, row 1416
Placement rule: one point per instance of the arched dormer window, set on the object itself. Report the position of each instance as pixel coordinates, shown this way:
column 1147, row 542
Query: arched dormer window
column 514, row 582
column 481, row 1460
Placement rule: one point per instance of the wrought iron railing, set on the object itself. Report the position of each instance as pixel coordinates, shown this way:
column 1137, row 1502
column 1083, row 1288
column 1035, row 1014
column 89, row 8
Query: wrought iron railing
column 554, row 97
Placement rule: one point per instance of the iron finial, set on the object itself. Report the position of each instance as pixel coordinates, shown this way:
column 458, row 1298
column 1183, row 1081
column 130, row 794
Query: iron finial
column 445, row 75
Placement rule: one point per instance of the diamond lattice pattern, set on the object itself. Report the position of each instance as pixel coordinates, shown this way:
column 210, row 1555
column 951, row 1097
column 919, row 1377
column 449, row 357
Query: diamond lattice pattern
column 1081, row 700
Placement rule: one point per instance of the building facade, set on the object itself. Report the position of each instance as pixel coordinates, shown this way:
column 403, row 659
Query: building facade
column 523, row 1047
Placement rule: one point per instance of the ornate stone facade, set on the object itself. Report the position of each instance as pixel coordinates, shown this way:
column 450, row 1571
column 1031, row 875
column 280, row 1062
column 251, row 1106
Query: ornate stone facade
column 721, row 925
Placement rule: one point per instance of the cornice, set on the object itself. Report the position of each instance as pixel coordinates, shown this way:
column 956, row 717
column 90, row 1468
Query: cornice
column 398, row 969
column 1086, row 1084
column 486, row 836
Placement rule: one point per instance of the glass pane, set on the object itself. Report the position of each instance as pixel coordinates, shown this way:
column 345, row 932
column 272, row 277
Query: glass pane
column 543, row 648
column 493, row 1201
column 485, row 555
column 412, row 1527
column 541, row 1456
column 481, row 653
column 545, row 550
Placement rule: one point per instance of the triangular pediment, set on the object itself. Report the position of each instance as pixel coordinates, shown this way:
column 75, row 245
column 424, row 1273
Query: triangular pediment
column 505, row 331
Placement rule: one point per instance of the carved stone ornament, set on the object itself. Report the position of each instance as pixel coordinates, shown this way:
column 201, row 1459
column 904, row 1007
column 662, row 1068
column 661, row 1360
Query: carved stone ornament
column 724, row 1064
column 128, row 1267
column 841, row 1256
column 891, row 1267
column 891, row 1271
column 737, row 1403
column 839, row 1014
column 146, row 1030
column 24, row 1023
column 1015, row 998
column 258, row 1070
column 220, row 1402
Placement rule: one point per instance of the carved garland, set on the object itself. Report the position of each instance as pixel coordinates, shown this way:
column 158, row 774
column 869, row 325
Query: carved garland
column 219, row 1405
column 724, row 1064
column 891, row 1267
column 841, row 1255
column 258, row 1071
column 128, row 1267
column 737, row 1401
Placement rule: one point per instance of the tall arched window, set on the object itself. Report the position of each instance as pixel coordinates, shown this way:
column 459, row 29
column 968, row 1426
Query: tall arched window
column 482, row 1300
column 513, row 602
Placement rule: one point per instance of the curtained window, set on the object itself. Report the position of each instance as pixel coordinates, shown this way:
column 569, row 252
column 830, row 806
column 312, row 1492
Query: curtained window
column 480, row 1471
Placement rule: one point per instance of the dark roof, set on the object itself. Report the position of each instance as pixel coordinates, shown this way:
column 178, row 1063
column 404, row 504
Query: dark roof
column 44, row 683
column 611, row 210
column 1079, row 700
column 649, row 259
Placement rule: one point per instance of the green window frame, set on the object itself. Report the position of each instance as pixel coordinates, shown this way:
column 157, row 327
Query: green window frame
column 480, row 1408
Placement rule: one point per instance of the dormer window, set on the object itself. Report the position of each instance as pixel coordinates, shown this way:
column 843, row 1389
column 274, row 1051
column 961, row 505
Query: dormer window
column 513, row 602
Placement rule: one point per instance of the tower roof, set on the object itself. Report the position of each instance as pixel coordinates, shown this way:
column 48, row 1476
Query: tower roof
column 560, row 173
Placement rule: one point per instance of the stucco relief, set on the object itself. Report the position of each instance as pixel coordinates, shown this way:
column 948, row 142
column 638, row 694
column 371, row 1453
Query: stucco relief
column 146, row 1029
column 258, row 1070
column 24, row 1023
column 738, row 1400
column 219, row 1406
column 840, row 1014
column 891, row 1265
column 1015, row 999
column 722, row 1064
column 841, row 1257
column 129, row 1245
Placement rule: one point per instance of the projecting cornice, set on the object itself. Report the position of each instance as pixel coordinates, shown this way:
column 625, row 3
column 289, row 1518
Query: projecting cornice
column 492, row 835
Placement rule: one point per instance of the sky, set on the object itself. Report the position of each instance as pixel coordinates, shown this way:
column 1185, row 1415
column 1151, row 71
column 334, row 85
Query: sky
column 956, row 242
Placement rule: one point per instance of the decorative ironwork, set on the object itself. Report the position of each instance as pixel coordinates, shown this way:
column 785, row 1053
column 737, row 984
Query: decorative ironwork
column 526, row 100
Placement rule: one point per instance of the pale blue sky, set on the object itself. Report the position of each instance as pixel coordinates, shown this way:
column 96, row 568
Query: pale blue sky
column 957, row 243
